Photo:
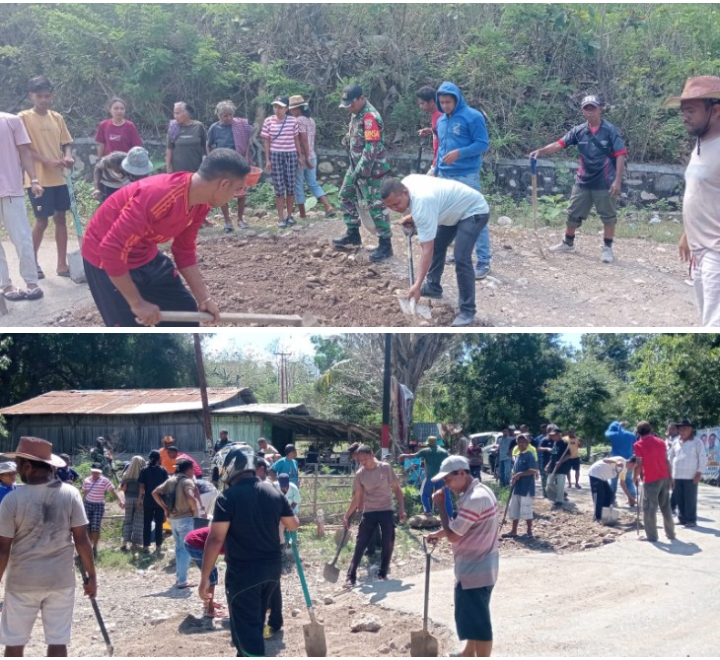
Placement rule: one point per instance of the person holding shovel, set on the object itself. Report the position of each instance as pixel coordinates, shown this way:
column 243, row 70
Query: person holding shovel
column 601, row 474
column 373, row 488
column 433, row 456
column 130, row 280
column 51, row 148
column 522, row 484
column 559, row 466
column 440, row 211
column 598, row 181
column 474, row 538
column 42, row 525
column 246, row 521
column 368, row 167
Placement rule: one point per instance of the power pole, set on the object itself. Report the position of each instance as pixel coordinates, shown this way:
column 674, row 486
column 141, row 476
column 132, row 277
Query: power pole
column 203, row 391
column 385, row 438
column 283, row 377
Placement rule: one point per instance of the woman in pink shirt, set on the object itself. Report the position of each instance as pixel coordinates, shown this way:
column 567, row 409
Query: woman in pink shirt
column 116, row 133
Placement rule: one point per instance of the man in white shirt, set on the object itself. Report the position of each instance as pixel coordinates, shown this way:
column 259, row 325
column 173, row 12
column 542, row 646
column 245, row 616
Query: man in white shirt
column 688, row 460
column 700, row 243
column 291, row 492
column 441, row 211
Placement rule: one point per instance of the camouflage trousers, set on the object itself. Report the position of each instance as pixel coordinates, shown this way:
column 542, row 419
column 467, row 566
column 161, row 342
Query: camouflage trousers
column 367, row 190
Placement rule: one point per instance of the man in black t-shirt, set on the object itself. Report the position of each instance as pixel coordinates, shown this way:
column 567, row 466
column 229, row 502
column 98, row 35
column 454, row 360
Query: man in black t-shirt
column 544, row 448
column 247, row 521
column 560, row 458
column 599, row 179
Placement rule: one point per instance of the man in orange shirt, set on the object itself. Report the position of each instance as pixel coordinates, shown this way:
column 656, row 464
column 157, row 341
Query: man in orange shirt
column 165, row 460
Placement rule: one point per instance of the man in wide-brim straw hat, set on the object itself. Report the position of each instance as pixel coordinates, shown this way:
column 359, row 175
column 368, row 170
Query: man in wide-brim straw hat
column 41, row 525
column 700, row 243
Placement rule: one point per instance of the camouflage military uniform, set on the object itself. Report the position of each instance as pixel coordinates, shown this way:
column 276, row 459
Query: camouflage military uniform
column 368, row 165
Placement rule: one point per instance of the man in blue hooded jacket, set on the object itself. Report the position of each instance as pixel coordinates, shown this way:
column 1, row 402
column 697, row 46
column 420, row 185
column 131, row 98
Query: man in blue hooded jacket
column 621, row 444
column 463, row 139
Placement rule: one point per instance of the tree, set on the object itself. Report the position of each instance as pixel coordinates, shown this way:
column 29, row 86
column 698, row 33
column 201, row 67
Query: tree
column 39, row 363
column 615, row 349
column 500, row 379
column 586, row 397
column 676, row 377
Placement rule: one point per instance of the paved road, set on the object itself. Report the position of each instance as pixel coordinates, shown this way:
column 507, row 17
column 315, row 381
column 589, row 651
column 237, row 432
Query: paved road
column 61, row 294
column 628, row 598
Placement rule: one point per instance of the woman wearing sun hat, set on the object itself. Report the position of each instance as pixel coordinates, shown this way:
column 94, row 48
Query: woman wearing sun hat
column 118, row 169
column 280, row 134
column 307, row 129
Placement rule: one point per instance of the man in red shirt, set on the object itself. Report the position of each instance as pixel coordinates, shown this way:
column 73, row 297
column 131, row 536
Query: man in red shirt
column 653, row 468
column 426, row 100
column 130, row 280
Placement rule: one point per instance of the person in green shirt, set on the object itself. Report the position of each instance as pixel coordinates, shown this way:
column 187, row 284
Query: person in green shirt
column 433, row 456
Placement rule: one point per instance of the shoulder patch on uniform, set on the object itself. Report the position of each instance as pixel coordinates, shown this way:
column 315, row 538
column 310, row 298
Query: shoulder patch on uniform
column 371, row 128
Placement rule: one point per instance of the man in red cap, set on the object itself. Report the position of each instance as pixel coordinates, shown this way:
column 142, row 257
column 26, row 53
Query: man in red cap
column 700, row 243
column 41, row 526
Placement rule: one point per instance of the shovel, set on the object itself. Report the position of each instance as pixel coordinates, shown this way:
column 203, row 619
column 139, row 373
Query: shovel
column 75, row 261
column 307, row 320
column 96, row 609
column 331, row 573
column 422, row 643
column 314, row 632
column 507, row 506
column 533, row 176
column 412, row 307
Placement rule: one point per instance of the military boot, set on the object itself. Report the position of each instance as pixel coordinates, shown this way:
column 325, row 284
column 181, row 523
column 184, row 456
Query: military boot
column 384, row 250
column 352, row 238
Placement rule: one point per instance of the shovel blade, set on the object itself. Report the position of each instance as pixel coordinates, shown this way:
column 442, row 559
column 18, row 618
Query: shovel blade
column 315, row 644
column 331, row 573
column 551, row 491
column 423, row 645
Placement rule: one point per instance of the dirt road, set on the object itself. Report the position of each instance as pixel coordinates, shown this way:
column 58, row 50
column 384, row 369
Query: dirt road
column 627, row 598
column 297, row 271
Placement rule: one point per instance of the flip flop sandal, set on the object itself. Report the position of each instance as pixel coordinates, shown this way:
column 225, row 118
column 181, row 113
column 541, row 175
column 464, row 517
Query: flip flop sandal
column 14, row 296
column 41, row 275
column 63, row 273
column 185, row 585
column 34, row 294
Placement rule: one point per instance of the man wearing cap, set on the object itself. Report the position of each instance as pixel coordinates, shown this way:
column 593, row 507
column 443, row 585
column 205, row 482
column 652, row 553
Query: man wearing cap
column 474, row 538
column 598, row 181
column 287, row 465
column 559, row 464
column 368, row 166
column 131, row 281
column 441, row 211
column 247, row 519
column 42, row 524
column 700, row 243
column 688, row 460
column 373, row 488
column 522, row 482
column 433, row 457
column 8, row 472
column 94, row 488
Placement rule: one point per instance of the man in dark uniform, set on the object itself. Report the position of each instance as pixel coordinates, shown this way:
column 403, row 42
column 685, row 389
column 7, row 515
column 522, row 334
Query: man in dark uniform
column 246, row 520
column 368, row 166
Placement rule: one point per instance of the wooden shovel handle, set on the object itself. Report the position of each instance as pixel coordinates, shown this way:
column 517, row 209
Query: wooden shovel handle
column 276, row 319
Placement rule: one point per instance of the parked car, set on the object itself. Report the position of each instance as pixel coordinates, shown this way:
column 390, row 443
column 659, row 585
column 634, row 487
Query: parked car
column 489, row 442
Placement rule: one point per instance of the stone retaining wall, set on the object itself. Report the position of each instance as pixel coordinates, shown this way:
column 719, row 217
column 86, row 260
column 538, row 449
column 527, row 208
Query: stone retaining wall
column 644, row 183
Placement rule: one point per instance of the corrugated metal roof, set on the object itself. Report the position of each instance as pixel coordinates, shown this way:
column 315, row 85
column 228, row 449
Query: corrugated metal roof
column 421, row 430
column 264, row 409
column 124, row 402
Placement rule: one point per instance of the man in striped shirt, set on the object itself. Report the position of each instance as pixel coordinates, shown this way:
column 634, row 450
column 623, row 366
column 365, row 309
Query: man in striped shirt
column 130, row 280
column 474, row 537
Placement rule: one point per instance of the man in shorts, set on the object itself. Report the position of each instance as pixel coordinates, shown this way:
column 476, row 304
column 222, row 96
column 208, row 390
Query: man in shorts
column 598, row 181
column 474, row 537
column 575, row 445
column 93, row 489
column 42, row 524
column 523, row 485
column 51, row 147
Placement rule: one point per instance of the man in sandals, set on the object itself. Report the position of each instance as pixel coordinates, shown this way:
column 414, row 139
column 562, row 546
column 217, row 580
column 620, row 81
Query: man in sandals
column 15, row 156
column 474, row 538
